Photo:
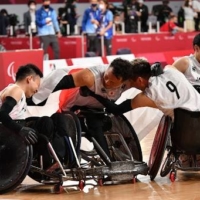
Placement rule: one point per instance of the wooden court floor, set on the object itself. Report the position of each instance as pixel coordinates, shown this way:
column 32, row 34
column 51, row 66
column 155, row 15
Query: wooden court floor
column 185, row 187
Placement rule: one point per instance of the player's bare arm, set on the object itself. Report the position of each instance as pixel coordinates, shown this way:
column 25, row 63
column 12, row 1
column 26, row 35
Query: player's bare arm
column 141, row 100
column 15, row 92
column 83, row 78
column 181, row 64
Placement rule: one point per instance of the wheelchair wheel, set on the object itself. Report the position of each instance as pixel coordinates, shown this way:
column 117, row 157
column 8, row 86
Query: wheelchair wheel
column 121, row 124
column 15, row 160
column 78, row 130
column 74, row 131
column 159, row 146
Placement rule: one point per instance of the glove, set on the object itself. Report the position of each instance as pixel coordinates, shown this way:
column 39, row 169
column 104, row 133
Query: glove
column 29, row 135
column 85, row 91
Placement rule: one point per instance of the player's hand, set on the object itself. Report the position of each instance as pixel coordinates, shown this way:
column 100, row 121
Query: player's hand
column 29, row 135
column 85, row 91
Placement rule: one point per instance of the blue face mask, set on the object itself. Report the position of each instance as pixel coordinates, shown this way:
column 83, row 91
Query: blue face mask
column 93, row 5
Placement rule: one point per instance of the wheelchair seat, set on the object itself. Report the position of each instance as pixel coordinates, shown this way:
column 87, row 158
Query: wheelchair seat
column 185, row 133
column 180, row 137
column 15, row 159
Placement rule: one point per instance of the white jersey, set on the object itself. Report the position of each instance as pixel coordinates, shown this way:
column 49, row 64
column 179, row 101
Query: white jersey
column 193, row 71
column 19, row 109
column 172, row 90
column 72, row 97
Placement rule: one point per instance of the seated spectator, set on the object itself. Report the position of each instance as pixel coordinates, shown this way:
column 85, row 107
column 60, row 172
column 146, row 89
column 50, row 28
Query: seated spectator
column 171, row 26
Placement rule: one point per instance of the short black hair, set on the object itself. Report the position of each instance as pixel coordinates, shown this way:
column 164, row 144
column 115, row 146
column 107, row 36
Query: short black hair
column 196, row 40
column 140, row 68
column 31, row 1
column 121, row 68
column 27, row 70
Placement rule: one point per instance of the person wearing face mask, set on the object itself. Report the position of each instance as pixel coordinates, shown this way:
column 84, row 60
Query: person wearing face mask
column 189, row 14
column 29, row 18
column 105, row 27
column 90, row 24
column 48, row 28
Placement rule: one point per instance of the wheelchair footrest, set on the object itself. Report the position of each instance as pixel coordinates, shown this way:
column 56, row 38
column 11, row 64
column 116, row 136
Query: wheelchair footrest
column 188, row 168
column 120, row 170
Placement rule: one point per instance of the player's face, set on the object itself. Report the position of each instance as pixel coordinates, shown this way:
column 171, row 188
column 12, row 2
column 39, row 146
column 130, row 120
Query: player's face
column 197, row 52
column 33, row 82
column 110, row 81
column 140, row 83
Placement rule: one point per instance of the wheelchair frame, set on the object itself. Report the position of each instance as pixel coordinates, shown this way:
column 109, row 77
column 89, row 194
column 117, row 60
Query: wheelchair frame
column 120, row 171
column 166, row 140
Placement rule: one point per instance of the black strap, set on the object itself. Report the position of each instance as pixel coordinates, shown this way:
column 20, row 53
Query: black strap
column 156, row 69
column 111, row 107
column 5, row 109
column 66, row 82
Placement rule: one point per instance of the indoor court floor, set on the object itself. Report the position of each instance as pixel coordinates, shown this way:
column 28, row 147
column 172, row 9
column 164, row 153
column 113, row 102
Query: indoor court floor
column 185, row 187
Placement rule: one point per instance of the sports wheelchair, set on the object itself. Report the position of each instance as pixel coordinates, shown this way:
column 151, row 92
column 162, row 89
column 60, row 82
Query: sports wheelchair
column 180, row 138
column 18, row 160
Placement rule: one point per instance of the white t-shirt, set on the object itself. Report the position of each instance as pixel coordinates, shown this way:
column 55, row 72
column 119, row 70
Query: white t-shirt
column 74, row 98
column 172, row 90
column 193, row 71
column 19, row 110
column 196, row 5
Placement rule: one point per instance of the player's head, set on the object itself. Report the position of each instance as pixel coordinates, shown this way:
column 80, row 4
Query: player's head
column 28, row 76
column 117, row 73
column 196, row 44
column 140, row 73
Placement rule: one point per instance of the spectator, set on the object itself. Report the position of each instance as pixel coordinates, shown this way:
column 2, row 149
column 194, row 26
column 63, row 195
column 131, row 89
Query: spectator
column 4, row 22
column 196, row 7
column 47, row 25
column 90, row 24
column 118, row 25
column 189, row 15
column 105, row 27
column 131, row 15
column 71, row 15
column 164, row 12
column 30, row 18
column 113, row 9
column 143, row 15
column 171, row 26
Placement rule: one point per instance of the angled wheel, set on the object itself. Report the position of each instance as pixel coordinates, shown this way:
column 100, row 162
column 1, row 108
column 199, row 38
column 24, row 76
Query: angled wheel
column 122, row 125
column 15, row 160
column 167, row 166
column 74, row 131
column 159, row 145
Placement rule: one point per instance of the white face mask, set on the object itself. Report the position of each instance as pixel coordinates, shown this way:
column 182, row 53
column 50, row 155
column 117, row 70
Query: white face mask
column 101, row 6
column 190, row 3
column 32, row 7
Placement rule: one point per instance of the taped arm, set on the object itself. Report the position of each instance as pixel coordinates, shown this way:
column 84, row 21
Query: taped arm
column 6, row 120
column 111, row 107
column 140, row 100
column 81, row 78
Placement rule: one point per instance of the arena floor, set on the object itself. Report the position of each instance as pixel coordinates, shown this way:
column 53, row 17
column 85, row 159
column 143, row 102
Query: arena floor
column 185, row 187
